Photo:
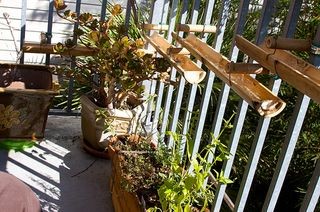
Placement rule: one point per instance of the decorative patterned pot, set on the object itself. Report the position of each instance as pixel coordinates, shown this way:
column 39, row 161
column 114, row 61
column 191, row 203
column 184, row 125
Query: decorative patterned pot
column 93, row 129
column 26, row 93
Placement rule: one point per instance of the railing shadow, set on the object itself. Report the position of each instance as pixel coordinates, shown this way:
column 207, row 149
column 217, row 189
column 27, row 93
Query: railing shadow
column 64, row 177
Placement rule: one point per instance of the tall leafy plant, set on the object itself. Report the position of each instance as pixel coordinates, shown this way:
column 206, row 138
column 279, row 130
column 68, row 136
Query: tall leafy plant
column 118, row 64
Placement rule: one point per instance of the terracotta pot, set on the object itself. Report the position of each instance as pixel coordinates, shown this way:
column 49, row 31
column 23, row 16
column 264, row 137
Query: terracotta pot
column 93, row 130
column 26, row 93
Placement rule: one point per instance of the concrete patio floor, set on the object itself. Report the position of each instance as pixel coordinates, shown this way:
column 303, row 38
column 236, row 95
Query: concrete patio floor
column 60, row 172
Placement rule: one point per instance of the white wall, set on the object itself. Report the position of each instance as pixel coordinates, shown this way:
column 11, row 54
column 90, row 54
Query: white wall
column 37, row 17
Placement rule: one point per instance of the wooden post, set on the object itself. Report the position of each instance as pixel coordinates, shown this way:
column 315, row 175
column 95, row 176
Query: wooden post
column 191, row 72
column 288, row 43
column 295, row 71
column 248, row 88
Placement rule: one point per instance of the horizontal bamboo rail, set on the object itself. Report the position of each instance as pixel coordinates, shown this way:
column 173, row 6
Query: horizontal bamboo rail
column 252, row 91
column 295, row 71
column 288, row 43
column 245, row 68
column 48, row 49
column 29, row 91
column 196, row 28
column 161, row 27
column 191, row 72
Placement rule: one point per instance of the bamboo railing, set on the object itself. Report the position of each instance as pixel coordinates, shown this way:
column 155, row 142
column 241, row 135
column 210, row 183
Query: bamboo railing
column 252, row 91
column 191, row 72
column 295, row 71
column 176, row 56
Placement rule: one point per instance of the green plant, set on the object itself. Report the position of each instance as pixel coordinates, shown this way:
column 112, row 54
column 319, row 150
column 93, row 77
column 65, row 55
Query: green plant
column 185, row 187
column 118, row 64
column 141, row 164
column 163, row 177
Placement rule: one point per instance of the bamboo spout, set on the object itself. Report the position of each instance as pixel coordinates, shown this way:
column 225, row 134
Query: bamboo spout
column 288, row 43
column 196, row 28
column 245, row 68
column 161, row 27
column 191, row 72
column 252, row 91
column 295, row 71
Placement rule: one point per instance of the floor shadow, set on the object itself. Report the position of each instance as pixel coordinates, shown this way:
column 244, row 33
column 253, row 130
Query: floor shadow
column 60, row 172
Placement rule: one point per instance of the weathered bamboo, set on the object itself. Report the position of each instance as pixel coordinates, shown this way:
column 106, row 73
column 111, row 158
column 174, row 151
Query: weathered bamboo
column 161, row 27
column 245, row 68
column 48, row 49
column 196, row 28
column 288, row 43
column 257, row 95
column 175, row 50
column 295, row 71
column 191, row 72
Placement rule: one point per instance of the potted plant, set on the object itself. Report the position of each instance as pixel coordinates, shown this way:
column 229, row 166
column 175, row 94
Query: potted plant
column 137, row 166
column 114, row 71
column 168, row 181
column 26, row 93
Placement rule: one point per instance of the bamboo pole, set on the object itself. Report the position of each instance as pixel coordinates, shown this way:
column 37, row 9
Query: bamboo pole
column 191, row 72
column 245, row 68
column 48, row 49
column 174, row 50
column 196, row 28
column 288, row 43
column 295, row 71
column 160, row 27
column 252, row 91
column 29, row 91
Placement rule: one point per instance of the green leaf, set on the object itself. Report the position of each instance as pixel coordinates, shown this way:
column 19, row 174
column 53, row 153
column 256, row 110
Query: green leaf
column 16, row 144
column 189, row 182
column 187, row 208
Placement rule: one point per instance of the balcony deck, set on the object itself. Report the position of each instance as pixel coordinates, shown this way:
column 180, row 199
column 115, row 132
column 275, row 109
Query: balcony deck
column 60, row 172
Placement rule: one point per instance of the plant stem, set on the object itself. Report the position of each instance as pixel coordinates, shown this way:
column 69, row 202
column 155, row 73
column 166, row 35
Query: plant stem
column 19, row 53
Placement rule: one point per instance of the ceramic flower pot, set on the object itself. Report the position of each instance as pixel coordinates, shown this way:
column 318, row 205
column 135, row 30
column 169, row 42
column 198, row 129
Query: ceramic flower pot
column 94, row 131
column 26, row 93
